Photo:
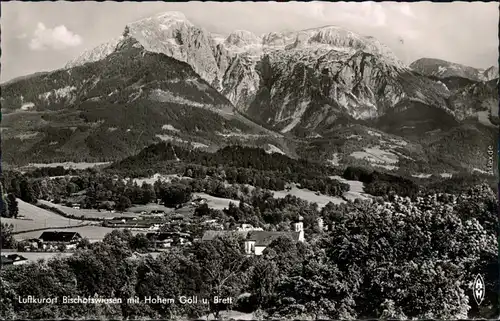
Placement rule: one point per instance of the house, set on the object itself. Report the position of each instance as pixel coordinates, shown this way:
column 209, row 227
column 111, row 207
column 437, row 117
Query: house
column 213, row 224
column 160, row 240
column 17, row 259
column 13, row 259
column 167, row 239
column 199, row 201
column 256, row 241
column 53, row 238
column 248, row 227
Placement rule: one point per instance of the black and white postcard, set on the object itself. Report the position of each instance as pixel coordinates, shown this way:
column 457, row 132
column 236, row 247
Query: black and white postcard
column 249, row 160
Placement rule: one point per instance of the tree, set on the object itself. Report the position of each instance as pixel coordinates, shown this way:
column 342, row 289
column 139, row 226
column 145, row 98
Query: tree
column 148, row 193
column 176, row 194
column 4, row 209
column 84, row 244
column 15, row 188
column 7, row 240
column 139, row 242
column 220, row 267
column 325, row 290
column 123, row 204
column 12, row 205
column 3, row 200
column 27, row 193
column 417, row 253
column 264, row 277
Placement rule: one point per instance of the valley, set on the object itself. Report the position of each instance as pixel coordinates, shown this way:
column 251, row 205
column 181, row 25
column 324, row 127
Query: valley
column 186, row 157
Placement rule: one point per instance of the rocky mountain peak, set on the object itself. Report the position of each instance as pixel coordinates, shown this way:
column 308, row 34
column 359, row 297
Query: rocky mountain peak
column 162, row 28
column 278, row 38
column 491, row 73
column 242, row 38
column 98, row 53
column 297, row 80
column 166, row 18
column 444, row 69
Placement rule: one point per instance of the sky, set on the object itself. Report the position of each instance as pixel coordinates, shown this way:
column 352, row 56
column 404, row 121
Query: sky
column 43, row 36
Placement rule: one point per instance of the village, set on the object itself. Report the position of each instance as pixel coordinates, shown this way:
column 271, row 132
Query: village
column 163, row 229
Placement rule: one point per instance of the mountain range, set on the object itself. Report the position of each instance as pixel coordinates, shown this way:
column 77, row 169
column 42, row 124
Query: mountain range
column 326, row 93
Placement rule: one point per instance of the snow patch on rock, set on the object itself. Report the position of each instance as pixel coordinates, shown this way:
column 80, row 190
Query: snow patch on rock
column 170, row 128
column 59, row 93
column 271, row 149
column 297, row 116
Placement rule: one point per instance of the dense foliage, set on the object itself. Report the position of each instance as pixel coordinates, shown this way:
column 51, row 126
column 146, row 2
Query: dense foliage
column 7, row 240
column 394, row 258
column 236, row 164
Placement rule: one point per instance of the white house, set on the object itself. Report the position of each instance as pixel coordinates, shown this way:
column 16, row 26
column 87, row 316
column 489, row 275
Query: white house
column 248, row 227
column 256, row 241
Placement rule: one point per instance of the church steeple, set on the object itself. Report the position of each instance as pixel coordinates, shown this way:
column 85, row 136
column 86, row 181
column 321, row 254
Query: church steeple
column 298, row 226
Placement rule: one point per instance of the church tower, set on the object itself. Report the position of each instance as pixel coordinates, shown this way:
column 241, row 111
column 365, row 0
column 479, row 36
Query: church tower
column 299, row 227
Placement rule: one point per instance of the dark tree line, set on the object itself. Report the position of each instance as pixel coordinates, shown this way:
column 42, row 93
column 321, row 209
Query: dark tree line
column 236, row 164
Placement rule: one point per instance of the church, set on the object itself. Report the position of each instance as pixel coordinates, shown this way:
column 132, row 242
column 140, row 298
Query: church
column 256, row 241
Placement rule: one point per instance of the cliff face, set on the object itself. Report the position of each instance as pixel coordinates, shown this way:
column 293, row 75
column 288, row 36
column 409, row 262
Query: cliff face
column 110, row 108
column 445, row 69
column 302, row 80
column 316, row 90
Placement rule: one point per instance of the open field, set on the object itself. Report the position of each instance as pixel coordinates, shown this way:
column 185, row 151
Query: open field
column 68, row 165
column 356, row 189
column 376, row 155
column 309, row 196
column 35, row 217
column 216, row 202
column 86, row 212
column 93, row 233
column 149, row 207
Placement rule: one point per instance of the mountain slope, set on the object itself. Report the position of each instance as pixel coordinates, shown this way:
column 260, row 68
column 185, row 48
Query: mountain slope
column 443, row 69
column 293, row 92
column 113, row 107
column 303, row 82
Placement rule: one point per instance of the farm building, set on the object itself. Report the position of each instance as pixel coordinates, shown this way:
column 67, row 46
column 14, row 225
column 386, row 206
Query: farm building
column 54, row 238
